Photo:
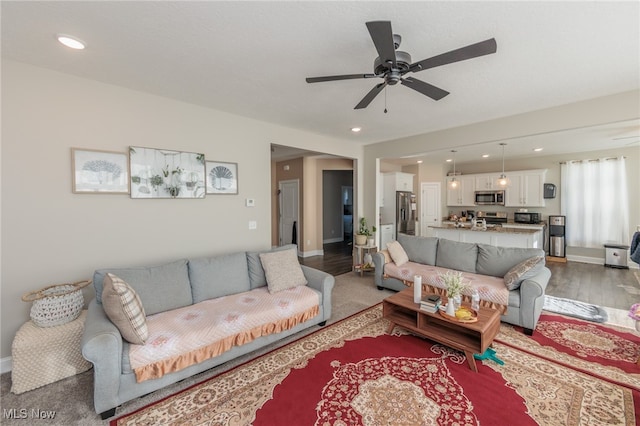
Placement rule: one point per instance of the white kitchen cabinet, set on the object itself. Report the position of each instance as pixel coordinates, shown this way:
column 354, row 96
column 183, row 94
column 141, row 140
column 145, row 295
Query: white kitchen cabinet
column 486, row 182
column 398, row 181
column 526, row 189
column 464, row 193
column 386, row 235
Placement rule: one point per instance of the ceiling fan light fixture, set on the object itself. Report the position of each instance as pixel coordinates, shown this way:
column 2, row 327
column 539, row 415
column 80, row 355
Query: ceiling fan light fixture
column 71, row 42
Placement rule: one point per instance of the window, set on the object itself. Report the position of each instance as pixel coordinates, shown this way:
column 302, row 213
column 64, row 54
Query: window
column 594, row 199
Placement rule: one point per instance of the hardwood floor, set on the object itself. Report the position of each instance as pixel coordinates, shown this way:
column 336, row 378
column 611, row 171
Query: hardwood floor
column 596, row 284
column 337, row 259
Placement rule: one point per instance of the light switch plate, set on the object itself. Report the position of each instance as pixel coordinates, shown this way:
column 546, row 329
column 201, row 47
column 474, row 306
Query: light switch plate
column 250, row 202
column 253, row 224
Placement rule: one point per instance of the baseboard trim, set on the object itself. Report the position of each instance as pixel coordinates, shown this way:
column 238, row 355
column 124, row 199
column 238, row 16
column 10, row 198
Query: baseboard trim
column 6, row 364
column 312, row 253
column 596, row 261
column 333, row 240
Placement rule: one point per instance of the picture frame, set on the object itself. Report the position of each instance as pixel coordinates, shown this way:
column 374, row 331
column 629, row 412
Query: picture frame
column 164, row 173
column 222, row 177
column 99, row 172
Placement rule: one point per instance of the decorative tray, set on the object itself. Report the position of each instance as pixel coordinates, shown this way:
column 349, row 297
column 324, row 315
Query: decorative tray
column 473, row 318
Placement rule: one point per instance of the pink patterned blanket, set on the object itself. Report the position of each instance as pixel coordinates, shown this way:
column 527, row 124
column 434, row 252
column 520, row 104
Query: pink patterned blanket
column 492, row 289
column 186, row 336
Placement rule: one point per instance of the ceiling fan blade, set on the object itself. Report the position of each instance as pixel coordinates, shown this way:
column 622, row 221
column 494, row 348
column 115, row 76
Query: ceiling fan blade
column 427, row 89
column 338, row 77
column 468, row 52
column 369, row 97
column 383, row 40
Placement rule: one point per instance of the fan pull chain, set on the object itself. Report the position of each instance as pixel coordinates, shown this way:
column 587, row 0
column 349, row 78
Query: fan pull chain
column 385, row 99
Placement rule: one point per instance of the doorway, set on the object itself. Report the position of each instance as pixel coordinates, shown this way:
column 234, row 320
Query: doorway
column 289, row 191
column 429, row 206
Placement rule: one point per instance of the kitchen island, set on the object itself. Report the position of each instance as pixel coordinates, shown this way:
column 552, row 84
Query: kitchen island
column 494, row 235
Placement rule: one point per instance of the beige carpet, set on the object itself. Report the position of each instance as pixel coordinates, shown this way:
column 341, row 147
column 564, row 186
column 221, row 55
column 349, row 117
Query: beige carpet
column 72, row 398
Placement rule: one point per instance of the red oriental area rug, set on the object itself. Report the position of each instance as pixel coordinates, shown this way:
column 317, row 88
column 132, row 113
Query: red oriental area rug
column 353, row 373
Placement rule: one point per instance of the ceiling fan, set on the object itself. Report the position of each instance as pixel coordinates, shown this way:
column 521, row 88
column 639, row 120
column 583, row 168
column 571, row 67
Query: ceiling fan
column 391, row 64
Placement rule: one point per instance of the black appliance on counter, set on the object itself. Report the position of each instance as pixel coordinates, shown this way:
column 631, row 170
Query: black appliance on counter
column 526, row 217
column 493, row 218
column 557, row 242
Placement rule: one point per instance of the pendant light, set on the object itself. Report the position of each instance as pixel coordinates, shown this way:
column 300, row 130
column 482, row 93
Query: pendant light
column 453, row 183
column 503, row 181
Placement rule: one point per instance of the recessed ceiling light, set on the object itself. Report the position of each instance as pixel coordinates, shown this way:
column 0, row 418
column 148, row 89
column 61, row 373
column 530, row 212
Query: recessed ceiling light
column 538, row 149
column 71, row 42
column 485, row 155
column 356, row 129
column 419, row 161
column 449, row 160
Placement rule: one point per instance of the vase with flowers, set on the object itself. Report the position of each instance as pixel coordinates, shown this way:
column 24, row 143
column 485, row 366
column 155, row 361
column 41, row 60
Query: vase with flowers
column 455, row 286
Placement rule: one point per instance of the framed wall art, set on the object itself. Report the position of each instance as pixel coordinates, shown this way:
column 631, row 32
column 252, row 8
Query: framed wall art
column 99, row 172
column 162, row 173
column 222, row 178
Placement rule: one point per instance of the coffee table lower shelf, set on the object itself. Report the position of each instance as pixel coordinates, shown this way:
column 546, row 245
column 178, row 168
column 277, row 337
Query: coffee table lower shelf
column 469, row 338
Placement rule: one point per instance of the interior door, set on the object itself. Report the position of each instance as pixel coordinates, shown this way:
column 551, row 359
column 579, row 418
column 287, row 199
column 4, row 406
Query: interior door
column 289, row 212
column 430, row 206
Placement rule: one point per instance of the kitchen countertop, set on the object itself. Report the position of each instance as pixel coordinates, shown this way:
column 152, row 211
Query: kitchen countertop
column 489, row 229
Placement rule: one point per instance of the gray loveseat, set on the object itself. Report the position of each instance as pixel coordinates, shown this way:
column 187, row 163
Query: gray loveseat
column 174, row 286
column 524, row 304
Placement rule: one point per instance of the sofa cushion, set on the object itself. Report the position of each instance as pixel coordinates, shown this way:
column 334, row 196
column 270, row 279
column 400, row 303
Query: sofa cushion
column 282, row 270
column 457, row 255
column 526, row 269
column 497, row 261
column 397, row 253
column 218, row 276
column 123, row 307
column 257, row 277
column 419, row 249
column 161, row 288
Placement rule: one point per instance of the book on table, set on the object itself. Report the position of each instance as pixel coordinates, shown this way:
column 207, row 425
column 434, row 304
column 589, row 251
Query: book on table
column 430, row 303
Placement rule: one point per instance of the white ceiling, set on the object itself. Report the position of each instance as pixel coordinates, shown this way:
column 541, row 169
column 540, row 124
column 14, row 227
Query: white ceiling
column 251, row 58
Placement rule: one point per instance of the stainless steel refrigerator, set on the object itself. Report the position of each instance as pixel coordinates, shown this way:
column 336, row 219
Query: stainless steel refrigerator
column 405, row 213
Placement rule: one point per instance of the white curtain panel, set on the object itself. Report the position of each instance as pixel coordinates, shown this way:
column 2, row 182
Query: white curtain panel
column 594, row 199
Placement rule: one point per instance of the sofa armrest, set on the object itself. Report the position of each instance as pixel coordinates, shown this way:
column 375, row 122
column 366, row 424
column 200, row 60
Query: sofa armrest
column 532, row 292
column 379, row 261
column 102, row 346
column 322, row 282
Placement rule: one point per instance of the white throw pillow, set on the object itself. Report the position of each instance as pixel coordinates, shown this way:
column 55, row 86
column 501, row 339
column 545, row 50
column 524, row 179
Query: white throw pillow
column 522, row 271
column 124, row 308
column 282, row 270
column 397, row 253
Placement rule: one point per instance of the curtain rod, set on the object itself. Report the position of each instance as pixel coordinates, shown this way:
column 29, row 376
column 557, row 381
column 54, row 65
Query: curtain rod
column 598, row 159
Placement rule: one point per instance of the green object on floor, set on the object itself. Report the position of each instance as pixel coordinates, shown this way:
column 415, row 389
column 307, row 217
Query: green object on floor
column 489, row 354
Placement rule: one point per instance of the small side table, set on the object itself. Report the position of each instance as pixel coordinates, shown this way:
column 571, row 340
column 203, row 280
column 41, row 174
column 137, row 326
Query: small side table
column 43, row 355
column 360, row 253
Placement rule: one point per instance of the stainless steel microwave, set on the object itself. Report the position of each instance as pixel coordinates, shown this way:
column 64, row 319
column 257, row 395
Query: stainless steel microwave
column 489, row 198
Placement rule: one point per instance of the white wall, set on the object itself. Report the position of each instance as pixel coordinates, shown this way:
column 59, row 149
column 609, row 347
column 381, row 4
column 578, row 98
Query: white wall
column 50, row 235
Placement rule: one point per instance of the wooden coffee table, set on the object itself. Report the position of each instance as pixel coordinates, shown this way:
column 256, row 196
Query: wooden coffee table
column 471, row 338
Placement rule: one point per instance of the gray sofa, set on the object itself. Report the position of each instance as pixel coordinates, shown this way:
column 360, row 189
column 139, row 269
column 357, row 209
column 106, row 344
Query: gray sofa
column 525, row 303
column 170, row 286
